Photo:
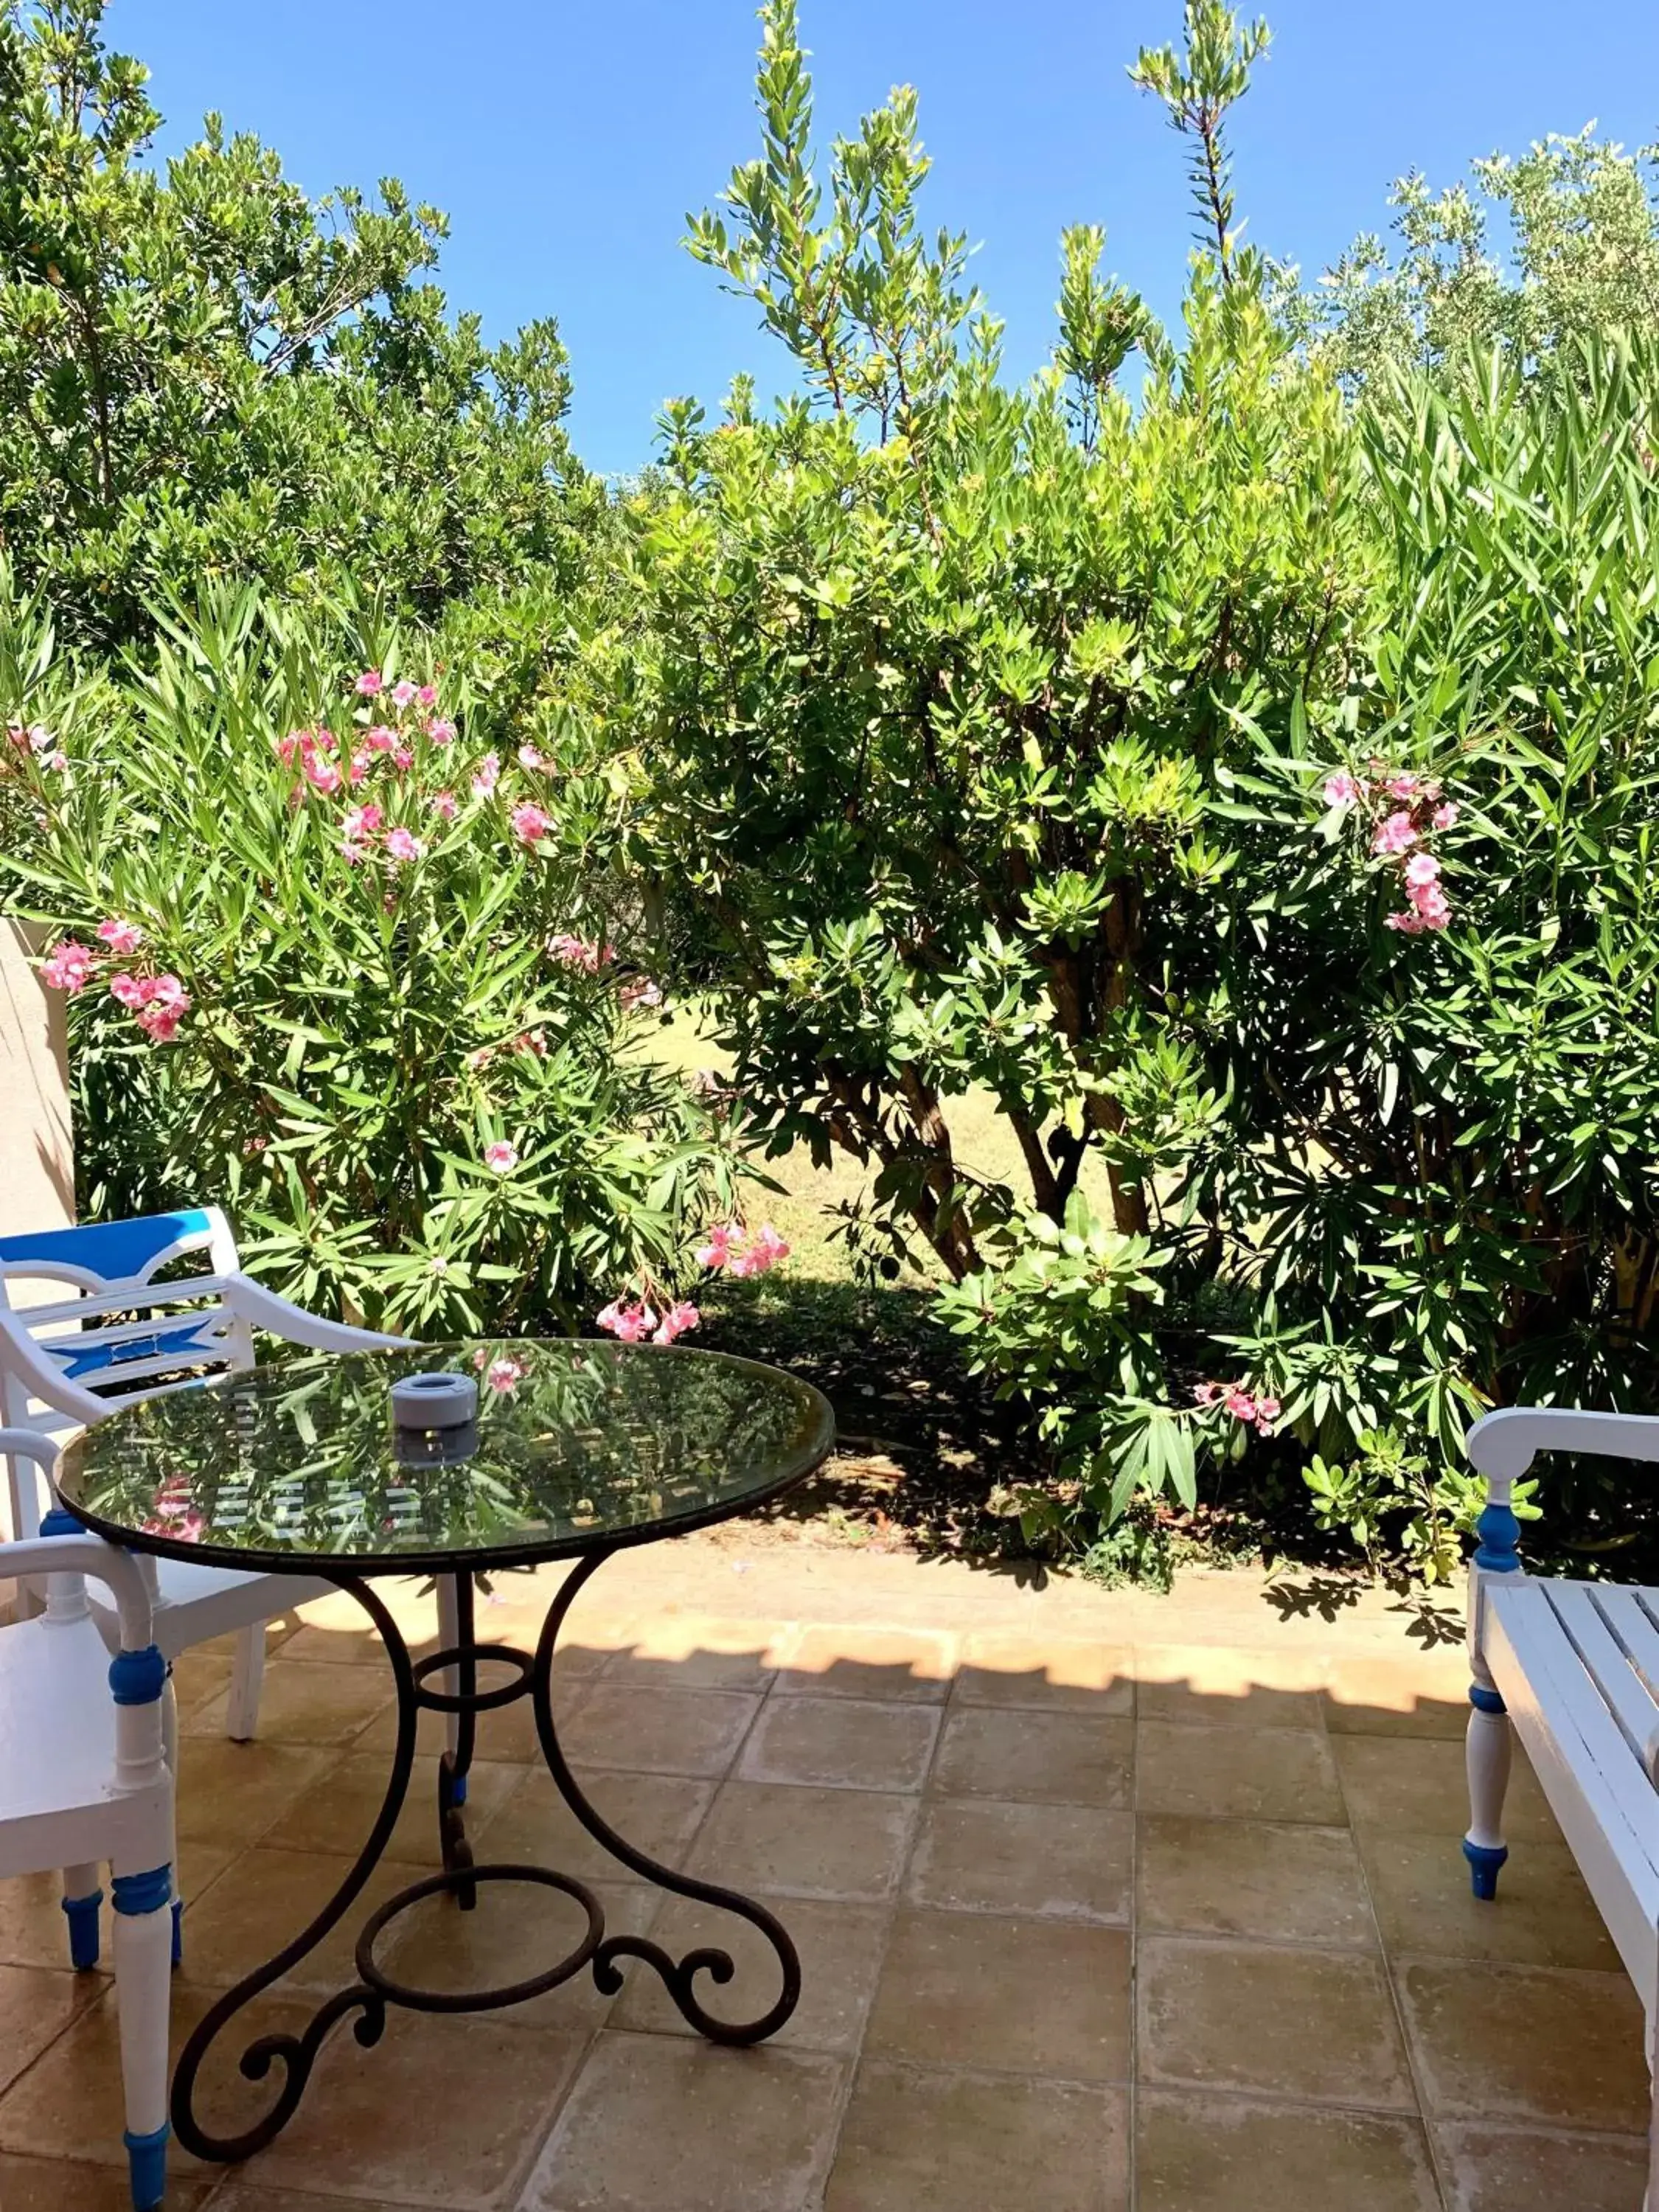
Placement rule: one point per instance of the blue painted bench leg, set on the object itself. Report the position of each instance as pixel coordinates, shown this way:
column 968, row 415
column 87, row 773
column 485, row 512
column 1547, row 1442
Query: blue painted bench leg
column 1489, row 1750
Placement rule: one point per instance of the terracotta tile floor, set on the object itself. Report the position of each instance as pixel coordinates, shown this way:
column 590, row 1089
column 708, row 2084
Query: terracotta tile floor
column 1103, row 1901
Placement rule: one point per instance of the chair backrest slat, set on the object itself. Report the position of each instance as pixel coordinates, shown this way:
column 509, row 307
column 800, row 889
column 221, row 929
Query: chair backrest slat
column 123, row 1335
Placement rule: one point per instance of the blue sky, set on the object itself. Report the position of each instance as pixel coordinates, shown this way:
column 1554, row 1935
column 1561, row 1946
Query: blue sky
column 567, row 139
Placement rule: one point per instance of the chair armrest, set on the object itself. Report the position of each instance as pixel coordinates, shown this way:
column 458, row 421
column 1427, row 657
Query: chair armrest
column 1501, row 1445
column 85, row 1555
column 262, row 1309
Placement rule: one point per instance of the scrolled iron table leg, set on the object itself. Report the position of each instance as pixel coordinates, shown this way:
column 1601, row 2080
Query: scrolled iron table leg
column 679, row 1976
column 376, row 1988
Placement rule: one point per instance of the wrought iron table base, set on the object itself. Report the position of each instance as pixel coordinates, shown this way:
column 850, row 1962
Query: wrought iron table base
column 375, row 1988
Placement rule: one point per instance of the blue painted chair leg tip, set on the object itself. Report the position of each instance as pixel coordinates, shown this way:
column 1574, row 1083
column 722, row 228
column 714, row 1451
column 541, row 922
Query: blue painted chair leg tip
column 146, row 2163
column 178, row 1930
column 82, row 1913
column 1484, row 1862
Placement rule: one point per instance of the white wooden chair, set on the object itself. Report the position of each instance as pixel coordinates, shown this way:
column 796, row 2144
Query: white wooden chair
column 122, row 1335
column 1573, row 1669
column 85, row 1780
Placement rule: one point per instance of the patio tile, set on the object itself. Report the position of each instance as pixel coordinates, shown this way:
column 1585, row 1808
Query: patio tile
column 840, row 1947
column 444, row 2111
column 49, row 2185
column 1218, row 1687
column 339, row 1815
column 1396, row 1697
column 353, row 1643
column 1276, row 1882
column 1400, row 1785
column 1018, row 1996
column 198, row 1675
column 658, row 1731
column 1063, row 1759
column 1506, row 2169
column 1198, row 2152
column 919, row 2141
column 317, row 1704
column 656, row 2122
column 1543, row 1915
column 699, row 1651
column 1062, row 1861
column 33, row 1930
column 842, row 1743
column 1527, row 2042
column 1046, row 1674
column 904, row 1664
column 1318, row 2027
column 230, row 1793
column 1237, row 1773
column 657, row 1813
column 36, row 2004
column 70, row 2098
column 265, row 1900
column 801, row 1842
column 516, row 1931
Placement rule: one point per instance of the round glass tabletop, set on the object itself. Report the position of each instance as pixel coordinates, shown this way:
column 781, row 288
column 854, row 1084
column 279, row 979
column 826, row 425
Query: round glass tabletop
column 576, row 1448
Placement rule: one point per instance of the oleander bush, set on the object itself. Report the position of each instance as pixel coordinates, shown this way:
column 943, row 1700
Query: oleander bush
column 1233, row 752
column 346, row 950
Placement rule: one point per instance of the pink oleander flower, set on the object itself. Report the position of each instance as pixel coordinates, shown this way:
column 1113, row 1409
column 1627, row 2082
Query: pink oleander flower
column 34, row 735
column 638, row 991
column 718, row 1250
column 403, row 694
column 161, row 1013
column 321, row 774
column 486, row 775
column 360, row 821
column 529, row 824
column 1397, row 834
column 1408, row 925
column 68, row 966
column 1238, row 1402
column 119, row 936
column 126, row 990
column 57, row 763
column 1422, row 870
column 402, row 759
column 1206, row 1393
column 1341, row 789
column 379, row 739
column 501, row 1157
column 400, row 845
column 762, row 1251
column 353, row 853
column 1433, row 908
column 427, row 696
column 368, row 684
column 579, row 952
column 296, row 741
column 1445, row 816
column 1266, row 1413
column 446, row 806
column 675, row 1322
column 1403, row 785
column 632, row 1323
column 534, row 1041
column 441, row 732
column 529, row 757
column 324, row 738
column 504, row 1374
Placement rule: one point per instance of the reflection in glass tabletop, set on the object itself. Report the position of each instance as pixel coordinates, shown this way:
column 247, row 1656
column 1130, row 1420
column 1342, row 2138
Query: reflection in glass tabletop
column 577, row 1447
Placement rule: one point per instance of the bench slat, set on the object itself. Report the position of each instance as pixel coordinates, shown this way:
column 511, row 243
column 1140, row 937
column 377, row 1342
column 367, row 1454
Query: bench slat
column 1608, row 1665
column 1604, row 1802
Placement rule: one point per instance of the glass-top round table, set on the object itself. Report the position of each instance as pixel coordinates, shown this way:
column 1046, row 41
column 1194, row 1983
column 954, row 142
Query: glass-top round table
column 576, row 1451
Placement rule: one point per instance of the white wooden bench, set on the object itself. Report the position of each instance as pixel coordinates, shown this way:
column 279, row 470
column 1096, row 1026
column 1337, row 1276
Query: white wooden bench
column 1573, row 1669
